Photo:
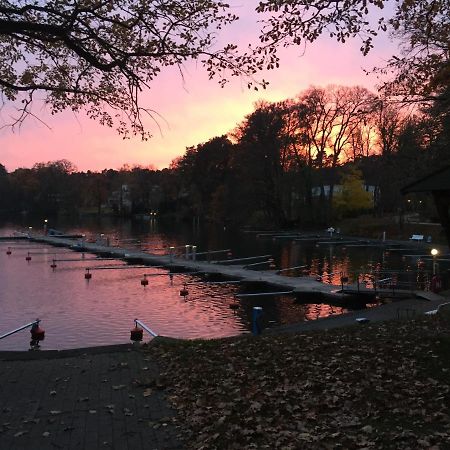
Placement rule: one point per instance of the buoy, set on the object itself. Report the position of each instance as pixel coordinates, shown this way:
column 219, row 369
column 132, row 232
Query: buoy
column 37, row 333
column 28, row 257
column 184, row 291
column 136, row 334
column 87, row 275
column 144, row 281
column 8, row 252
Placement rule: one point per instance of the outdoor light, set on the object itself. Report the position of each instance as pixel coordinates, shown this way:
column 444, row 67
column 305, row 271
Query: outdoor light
column 434, row 252
column 45, row 220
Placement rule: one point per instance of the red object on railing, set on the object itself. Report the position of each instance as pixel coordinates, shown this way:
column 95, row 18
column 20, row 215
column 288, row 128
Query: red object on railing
column 136, row 334
column 37, row 333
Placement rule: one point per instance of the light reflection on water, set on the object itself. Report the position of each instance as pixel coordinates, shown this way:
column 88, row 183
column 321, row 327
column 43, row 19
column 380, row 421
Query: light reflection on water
column 77, row 313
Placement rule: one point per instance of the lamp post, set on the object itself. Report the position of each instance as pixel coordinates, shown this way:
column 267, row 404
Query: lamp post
column 45, row 226
column 434, row 253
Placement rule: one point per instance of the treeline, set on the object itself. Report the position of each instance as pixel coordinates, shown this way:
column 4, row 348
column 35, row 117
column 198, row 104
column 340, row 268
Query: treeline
column 296, row 162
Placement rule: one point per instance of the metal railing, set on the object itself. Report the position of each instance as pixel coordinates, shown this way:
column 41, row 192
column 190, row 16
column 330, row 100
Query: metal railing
column 23, row 327
column 145, row 327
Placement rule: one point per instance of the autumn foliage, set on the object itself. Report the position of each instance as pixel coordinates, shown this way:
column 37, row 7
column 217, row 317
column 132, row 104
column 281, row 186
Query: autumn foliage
column 381, row 386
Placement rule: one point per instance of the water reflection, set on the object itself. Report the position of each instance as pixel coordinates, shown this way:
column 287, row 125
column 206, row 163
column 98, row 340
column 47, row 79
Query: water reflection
column 78, row 312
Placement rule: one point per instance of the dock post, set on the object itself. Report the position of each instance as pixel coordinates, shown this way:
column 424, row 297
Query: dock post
column 256, row 314
column 194, row 252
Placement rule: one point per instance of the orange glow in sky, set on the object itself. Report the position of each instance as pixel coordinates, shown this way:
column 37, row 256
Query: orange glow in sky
column 191, row 111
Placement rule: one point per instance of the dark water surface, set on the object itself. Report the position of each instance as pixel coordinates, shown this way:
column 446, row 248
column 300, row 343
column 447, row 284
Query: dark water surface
column 76, row 312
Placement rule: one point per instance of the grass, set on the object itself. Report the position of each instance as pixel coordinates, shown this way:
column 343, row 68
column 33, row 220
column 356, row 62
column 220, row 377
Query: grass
column 382, row 385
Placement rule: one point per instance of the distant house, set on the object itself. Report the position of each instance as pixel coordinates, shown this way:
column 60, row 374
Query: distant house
column 329, row 178
column 120, row 200
column 337, row 188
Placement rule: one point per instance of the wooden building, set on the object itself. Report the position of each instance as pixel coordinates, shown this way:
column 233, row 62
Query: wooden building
column 438, row 184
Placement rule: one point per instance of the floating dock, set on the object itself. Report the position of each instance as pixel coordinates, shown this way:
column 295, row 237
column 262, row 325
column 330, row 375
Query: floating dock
column 298, row 286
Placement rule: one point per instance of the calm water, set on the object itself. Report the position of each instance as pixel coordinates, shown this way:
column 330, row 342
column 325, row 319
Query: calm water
column 76, row 312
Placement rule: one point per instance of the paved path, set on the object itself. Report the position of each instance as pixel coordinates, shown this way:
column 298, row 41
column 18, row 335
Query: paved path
column 403, row 309
column 88, row 399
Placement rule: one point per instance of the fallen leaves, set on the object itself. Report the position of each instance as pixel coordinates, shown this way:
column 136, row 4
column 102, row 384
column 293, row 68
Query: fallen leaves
column 147, row 392
column 384, row 385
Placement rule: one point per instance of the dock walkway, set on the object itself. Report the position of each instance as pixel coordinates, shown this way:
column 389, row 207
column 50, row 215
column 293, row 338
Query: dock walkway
column 296, row 285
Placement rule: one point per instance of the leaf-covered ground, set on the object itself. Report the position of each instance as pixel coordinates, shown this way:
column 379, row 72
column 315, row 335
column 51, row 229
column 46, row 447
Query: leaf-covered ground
column 385, row 385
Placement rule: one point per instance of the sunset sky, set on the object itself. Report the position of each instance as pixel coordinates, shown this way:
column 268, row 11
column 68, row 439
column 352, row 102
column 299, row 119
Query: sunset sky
column 190, row 111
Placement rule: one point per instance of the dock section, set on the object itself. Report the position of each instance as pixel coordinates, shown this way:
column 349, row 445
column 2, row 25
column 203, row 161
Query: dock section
column 297, row 286
column 235, row 271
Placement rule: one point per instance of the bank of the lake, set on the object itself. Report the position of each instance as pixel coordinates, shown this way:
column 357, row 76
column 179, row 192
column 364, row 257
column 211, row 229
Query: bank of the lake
column 378, row 386
column 382, row 385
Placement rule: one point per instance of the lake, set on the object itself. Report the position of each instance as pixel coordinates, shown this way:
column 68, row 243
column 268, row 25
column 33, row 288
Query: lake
column 76, row 312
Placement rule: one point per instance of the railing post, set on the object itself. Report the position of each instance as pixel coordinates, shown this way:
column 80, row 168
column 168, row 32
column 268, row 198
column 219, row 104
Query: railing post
column 256, row 314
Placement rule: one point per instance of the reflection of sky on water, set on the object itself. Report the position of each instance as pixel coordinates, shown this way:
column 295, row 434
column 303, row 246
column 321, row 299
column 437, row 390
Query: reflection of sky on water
column 77, row 312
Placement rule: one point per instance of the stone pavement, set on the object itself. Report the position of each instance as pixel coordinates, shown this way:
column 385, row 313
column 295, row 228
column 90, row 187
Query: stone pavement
column 86, row 399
